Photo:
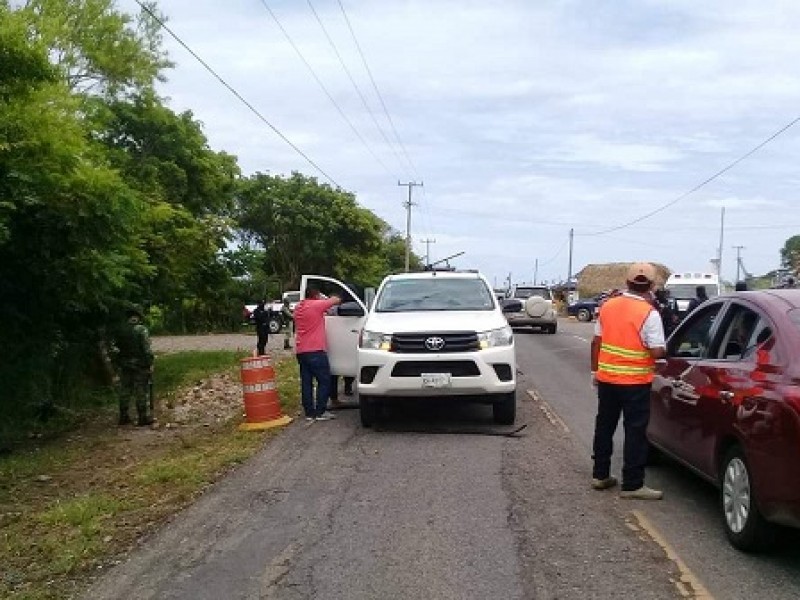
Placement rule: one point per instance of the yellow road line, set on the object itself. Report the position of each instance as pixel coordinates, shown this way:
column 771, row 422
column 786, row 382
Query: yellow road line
column 548, row 411
column 688, row 584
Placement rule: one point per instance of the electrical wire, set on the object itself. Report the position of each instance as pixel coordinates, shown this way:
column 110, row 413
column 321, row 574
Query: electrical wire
column 705, row 182
column 347, row 72
column 556, row 255
column 231, row 89
column 377, row 91
column 324, row 87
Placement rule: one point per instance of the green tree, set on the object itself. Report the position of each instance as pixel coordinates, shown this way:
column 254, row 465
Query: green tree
column 188, row 190
column 790, row 253
column 66, row 221
column 307, row 227
column 95, row 47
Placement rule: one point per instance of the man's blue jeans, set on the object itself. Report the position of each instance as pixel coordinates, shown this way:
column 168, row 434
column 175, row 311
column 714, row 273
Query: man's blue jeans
column 314, row 366
column 633, row 403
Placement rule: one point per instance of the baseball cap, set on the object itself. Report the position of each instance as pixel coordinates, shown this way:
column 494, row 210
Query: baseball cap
column 641, row 272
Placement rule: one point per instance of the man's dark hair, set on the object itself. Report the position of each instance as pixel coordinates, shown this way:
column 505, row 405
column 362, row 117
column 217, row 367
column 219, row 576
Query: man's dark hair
column 741, row 286
column 312, row 291
column 700, row 290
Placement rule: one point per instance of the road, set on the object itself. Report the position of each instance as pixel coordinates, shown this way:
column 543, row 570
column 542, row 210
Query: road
column 429, row 507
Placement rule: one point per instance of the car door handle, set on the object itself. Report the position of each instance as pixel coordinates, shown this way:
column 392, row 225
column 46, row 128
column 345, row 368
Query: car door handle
column 726, row 396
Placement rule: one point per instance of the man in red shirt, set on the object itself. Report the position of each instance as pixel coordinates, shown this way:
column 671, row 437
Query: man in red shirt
column 312, row 356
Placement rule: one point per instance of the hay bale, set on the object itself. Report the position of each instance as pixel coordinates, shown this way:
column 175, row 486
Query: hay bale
column 596, row 278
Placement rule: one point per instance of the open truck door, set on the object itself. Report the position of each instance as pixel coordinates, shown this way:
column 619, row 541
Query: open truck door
column 341, row 330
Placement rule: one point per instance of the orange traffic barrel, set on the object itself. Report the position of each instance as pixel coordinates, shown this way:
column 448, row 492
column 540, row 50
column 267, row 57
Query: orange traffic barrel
column 262, row 406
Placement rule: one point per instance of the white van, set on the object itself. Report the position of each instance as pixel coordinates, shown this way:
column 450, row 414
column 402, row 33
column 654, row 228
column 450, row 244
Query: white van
column 682, row 287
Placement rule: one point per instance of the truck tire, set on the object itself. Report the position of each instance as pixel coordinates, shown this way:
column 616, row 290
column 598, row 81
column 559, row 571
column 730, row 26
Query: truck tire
column 504, row 409
column 368, row 410
column 275, row 324
column 584, row 315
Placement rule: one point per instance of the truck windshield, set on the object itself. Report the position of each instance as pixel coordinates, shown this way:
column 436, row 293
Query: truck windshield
column 404, row 295
column 522, row 293
column 686, row 291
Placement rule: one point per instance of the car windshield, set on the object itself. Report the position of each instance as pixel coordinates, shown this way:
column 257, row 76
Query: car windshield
column 686, row 291
column 404, row 295
column 524, row 293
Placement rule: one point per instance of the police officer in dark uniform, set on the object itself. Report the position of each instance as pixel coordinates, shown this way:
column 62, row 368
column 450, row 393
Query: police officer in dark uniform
column 135, row 361
column 261, row 315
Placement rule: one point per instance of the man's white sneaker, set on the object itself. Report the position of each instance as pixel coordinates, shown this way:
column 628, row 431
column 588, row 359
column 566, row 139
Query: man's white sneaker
column 604, row 484
column 326, row 416
column 643, row 493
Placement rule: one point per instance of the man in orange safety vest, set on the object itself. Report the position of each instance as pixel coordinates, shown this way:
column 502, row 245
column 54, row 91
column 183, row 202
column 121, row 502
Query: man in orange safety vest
column 628, row 338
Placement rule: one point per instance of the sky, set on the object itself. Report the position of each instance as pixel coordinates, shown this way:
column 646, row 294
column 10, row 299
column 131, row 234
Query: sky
column 524, row 120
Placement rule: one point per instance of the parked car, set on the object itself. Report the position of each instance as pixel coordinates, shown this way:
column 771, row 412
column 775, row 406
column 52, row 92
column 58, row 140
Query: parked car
column 426, row 335
column 585, row 309
column 726, row 403
column 537, row 308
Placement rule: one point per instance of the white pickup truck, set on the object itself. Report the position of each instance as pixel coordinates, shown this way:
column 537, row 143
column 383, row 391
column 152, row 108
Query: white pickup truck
column 276, row 320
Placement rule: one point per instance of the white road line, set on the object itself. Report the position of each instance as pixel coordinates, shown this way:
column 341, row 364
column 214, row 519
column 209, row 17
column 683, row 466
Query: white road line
column 583, row 339
column 689, row 586
column 548, row 411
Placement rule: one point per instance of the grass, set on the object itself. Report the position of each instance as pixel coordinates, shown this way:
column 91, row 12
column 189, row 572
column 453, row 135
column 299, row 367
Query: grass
column 70, row 506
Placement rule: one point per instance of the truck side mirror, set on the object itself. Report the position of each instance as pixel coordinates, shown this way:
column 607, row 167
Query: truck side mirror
column 350, row 309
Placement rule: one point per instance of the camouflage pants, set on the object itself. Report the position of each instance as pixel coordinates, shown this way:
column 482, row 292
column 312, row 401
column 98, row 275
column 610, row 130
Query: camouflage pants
column 134, row 385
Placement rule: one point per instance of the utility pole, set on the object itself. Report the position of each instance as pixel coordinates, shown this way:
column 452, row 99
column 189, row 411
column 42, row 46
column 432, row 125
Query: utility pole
column 408, row 204
column 569, row 268
column 535, row 271
column 428, row 250
column 738, row 260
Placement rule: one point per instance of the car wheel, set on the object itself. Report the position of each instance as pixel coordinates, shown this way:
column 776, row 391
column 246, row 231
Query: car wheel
column 504, row 409
column 584, row 315
column 552, row 328
column 744, row 525
column 275, row 325
column 368, row 410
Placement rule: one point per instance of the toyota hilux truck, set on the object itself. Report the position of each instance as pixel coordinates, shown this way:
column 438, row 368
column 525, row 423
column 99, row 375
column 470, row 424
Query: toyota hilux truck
column 424, row 335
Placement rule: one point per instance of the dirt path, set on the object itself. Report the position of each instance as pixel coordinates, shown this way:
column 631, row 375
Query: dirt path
column 217, row 341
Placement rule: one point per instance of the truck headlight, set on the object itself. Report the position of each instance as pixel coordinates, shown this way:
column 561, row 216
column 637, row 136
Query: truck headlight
column 495, row 337
column 373, row 340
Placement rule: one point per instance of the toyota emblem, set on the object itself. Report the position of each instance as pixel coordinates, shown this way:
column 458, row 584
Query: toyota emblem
column 434, row 343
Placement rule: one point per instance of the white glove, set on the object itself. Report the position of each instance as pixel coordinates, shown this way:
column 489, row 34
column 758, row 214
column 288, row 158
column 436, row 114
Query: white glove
column 594, row 378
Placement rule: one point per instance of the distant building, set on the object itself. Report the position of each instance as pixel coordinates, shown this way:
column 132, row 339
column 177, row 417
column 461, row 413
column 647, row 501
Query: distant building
column 596, row 278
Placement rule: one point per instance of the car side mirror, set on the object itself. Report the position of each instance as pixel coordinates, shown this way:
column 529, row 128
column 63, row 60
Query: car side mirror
column 511, row 305
column 350, row 309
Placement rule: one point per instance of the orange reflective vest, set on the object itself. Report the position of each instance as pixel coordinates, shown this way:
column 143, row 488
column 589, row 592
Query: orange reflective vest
column 623, row 358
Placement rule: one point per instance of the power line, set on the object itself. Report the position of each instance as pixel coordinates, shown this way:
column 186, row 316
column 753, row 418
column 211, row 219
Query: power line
column 355, row 85
column 701, row 184
column 556, row 255
column 324, row 87
column 235, row 93
column 377, row 91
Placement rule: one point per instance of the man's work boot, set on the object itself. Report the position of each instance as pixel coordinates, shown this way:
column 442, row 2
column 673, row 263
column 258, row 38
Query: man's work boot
column 643, row 493
column 604, row 484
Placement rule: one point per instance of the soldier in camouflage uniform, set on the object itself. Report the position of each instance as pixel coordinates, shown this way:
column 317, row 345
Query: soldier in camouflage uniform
column 135, row 360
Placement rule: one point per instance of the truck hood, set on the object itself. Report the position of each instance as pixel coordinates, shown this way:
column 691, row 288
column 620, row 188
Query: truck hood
column 435, row 321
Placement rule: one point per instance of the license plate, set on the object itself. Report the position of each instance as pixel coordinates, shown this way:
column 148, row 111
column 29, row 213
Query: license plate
column 435, row 380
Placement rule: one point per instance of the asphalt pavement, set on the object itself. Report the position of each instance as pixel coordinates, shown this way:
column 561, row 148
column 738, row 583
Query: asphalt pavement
column 433, row 505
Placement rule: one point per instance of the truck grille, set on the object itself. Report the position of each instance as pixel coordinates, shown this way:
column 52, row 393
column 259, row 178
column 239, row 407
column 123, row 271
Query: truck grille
column 415, row 368
column 416, row 343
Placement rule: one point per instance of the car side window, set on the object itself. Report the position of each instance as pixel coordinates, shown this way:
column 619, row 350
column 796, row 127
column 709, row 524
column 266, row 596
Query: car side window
column 737, row 333
column 693, row 338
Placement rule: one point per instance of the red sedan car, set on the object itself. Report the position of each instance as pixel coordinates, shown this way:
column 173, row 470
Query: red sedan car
column 726, row 403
